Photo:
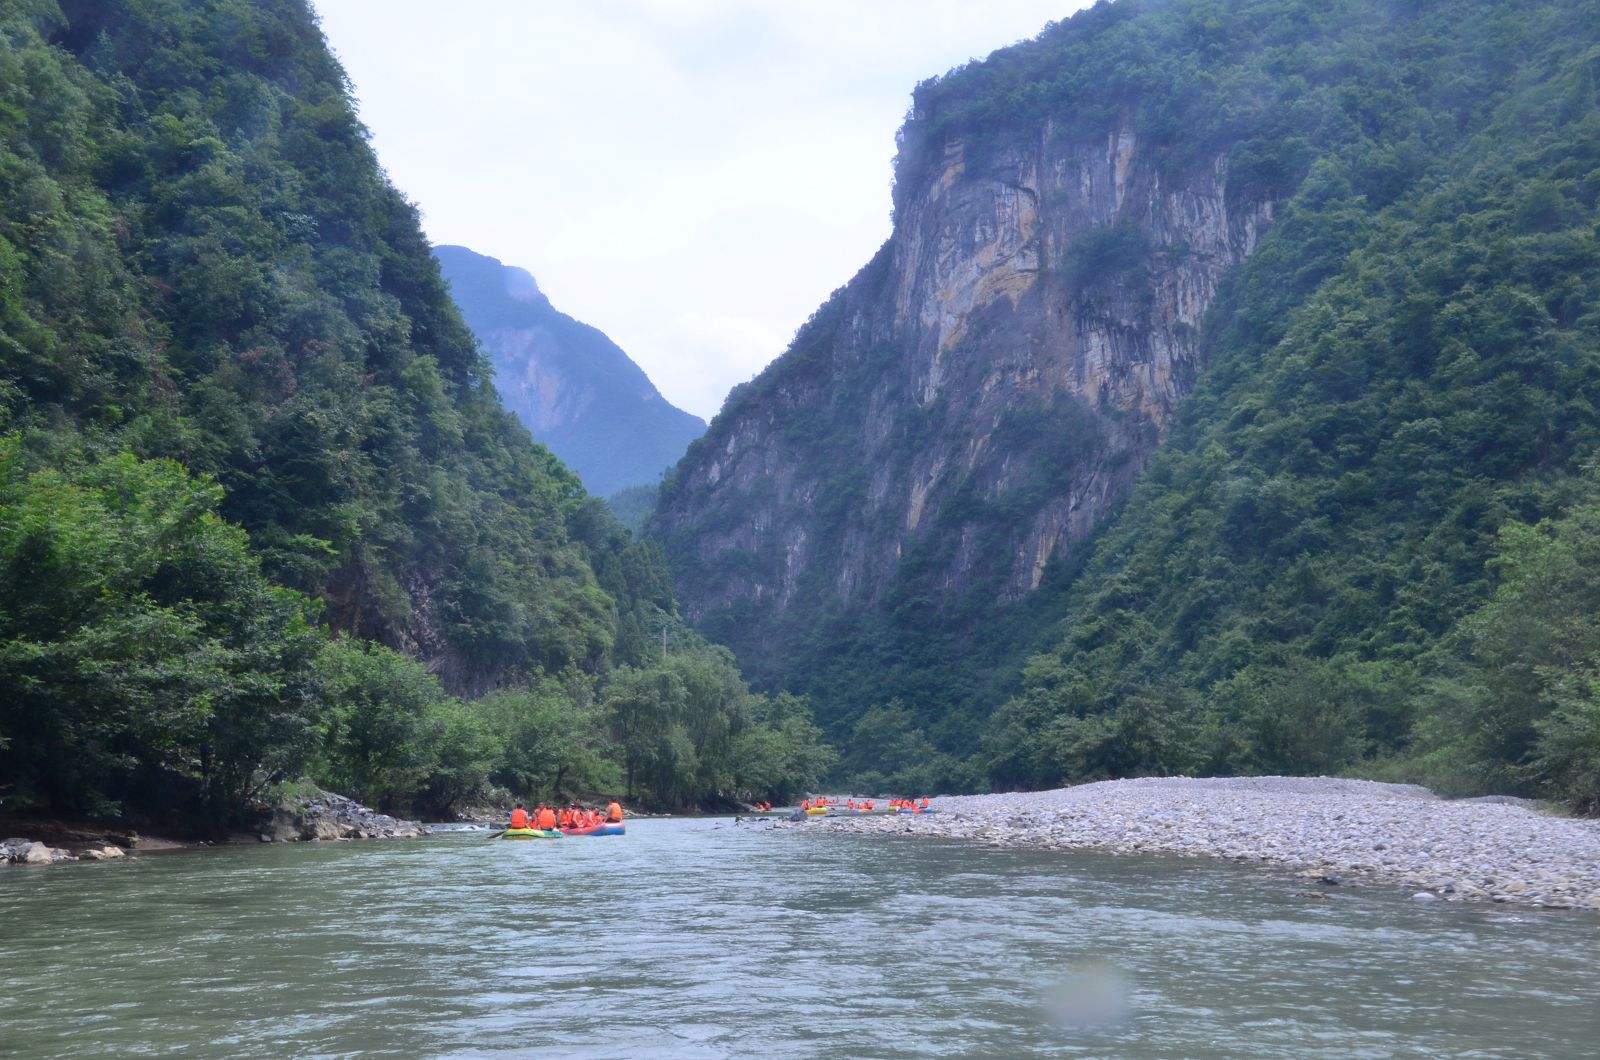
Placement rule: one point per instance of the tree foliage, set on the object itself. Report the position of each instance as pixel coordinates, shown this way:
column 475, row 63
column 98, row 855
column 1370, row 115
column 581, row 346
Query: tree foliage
column 143, row 654
column 1402, row 380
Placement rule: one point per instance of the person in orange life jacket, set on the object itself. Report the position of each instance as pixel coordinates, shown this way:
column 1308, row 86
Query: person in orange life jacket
column 519, row 818
column 614, row 812
column 545, row 819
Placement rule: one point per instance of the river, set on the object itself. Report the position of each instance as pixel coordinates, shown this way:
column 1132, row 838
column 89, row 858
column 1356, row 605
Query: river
column 711, row 938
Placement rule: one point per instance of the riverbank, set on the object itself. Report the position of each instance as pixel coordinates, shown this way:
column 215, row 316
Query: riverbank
column 313, row 815
column 1329, row 830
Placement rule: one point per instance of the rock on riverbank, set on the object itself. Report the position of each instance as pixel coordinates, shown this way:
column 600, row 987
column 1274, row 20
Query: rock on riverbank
column 32, row 852
column 318, row 815
column 1327, row 829
column 325, row 815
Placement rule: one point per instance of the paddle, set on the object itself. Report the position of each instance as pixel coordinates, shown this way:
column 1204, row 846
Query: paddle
column 498, row 834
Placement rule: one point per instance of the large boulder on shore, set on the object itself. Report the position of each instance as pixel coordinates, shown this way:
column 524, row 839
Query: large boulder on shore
column 31, row 852
column 108, row 852
column 330, row 817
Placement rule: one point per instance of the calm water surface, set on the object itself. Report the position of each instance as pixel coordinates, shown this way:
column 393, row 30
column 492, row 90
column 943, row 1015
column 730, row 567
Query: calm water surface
column 710, row 938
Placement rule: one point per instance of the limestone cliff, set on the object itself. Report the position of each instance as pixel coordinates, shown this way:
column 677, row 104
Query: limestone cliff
column 969, row 408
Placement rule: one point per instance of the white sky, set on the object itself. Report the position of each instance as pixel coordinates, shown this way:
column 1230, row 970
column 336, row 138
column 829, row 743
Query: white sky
column 693, row 177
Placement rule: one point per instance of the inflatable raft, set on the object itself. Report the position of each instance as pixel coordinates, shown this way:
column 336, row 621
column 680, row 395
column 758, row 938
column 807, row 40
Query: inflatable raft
column 530, row 833
column 604, row 828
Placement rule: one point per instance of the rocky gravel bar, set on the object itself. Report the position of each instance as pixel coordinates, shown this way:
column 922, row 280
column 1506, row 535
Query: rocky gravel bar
column 1325, row 829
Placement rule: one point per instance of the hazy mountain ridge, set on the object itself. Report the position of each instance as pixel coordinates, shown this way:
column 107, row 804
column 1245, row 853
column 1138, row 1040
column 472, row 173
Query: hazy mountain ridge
column 574, row 389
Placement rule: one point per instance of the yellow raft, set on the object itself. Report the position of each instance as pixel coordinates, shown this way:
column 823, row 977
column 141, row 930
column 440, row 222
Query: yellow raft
column 531, row 833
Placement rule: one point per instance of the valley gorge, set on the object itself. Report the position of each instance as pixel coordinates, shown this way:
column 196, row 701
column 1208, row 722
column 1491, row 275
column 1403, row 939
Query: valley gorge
column 1186, row 420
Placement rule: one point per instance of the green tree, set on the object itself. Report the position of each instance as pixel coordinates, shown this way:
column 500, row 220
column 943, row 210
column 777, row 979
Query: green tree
column 555, row 739
column 143, row 654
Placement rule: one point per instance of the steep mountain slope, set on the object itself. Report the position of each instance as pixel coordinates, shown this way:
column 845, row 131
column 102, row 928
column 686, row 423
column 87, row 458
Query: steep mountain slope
column 1303, row 580
column 262, row 514
column 901, row 506
column 569, row 384
column 204, row 261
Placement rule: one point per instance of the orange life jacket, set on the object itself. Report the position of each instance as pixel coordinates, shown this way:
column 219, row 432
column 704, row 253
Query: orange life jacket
column 614, row 811
column 546, row 818
column 519, row 818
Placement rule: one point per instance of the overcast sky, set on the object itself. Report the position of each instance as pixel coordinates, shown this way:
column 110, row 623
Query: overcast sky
column 691, row 176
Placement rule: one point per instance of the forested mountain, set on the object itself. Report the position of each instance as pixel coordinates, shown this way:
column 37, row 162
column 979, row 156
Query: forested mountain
column 574, row 388
column 1226, row 357
column 261, row 509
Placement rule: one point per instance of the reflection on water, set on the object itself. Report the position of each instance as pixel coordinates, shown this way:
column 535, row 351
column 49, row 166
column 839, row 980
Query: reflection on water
column 710, row 938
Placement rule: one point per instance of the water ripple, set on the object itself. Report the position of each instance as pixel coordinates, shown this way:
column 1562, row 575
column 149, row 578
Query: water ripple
column 710, row 939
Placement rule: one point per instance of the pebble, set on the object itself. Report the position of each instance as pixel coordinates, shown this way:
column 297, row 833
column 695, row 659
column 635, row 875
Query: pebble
column 1330, row 830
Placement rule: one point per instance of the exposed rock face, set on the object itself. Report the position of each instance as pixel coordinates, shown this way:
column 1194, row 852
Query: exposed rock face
column 973, row 404
column 329, row 816
column 571, row 386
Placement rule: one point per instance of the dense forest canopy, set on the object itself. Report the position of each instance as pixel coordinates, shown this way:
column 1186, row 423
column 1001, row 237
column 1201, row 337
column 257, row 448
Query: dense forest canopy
column 261, row 510
column 1327, row 567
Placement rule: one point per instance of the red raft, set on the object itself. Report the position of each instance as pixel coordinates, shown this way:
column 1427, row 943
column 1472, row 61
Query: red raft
column 603, row 828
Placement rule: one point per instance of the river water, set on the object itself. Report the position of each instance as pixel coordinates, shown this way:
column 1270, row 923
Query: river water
column 716, row 938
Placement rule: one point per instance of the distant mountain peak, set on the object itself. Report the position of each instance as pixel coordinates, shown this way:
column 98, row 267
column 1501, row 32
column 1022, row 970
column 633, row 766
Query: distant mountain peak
column 577, row 391
column 521, row 286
